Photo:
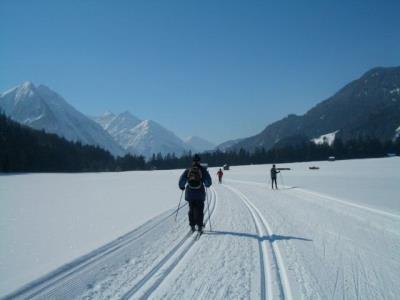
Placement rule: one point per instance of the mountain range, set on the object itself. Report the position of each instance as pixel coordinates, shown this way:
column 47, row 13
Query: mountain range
column 366, row 107
column 147, row 137
column 41, row 108
column 141, row 137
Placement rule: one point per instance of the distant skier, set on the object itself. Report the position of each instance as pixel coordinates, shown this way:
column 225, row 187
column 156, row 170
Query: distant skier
column 193, row 180
column 274, row 171
column 220, row 174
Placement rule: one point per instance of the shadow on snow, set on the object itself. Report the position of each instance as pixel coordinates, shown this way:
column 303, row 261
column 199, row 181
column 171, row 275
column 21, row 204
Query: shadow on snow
column 272, row 238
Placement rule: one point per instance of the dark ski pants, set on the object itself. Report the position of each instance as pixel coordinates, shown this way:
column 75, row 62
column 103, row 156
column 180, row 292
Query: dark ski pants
column 196, row 213
column 272, row 182
column 220, row 179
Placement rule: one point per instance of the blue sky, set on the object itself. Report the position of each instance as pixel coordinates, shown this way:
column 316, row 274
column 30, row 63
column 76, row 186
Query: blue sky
column 217, row 69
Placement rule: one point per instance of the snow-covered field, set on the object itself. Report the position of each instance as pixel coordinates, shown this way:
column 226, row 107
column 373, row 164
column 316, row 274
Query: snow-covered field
column 331, row 233
column 47, row 220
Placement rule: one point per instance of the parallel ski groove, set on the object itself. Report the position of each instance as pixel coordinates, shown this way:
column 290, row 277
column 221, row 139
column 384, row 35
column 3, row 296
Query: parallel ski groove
column 281, row 274
column 47, row 284
column 176, row 254
column 326, row 197
column 265, row 265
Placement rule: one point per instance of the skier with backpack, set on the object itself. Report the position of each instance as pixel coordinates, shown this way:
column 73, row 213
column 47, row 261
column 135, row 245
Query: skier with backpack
column 220, row 174
column 193, row 181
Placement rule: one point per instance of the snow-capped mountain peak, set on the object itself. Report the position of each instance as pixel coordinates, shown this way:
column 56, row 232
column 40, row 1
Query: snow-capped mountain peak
column 41, row 108
column 141, row 137
column 108, row 113
column 149, row 137
column 27, row 88
column 117, row 124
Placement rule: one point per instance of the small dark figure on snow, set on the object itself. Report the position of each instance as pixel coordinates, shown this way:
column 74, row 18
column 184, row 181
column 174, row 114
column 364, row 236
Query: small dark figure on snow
column 220, row 174
column 193, row 181
column 274, row 171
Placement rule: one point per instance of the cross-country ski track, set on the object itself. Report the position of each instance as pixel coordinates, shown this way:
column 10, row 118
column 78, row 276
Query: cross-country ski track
column 263, row 244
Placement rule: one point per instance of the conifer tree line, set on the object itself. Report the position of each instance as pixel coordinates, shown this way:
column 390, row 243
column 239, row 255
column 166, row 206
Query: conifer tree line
column 23, row 149
column 362, row 147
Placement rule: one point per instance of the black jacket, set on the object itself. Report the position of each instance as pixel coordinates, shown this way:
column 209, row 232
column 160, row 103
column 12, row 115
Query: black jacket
column 274, row 171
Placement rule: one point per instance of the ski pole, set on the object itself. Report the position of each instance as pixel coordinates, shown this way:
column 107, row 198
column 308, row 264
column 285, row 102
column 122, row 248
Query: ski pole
column 179, row 205
column 283, row 183
column 208, row 205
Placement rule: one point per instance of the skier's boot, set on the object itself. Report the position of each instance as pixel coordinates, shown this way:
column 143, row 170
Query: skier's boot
column 192, row 228
column 200, row 229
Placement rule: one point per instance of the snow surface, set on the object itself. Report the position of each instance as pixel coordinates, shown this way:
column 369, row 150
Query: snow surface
column 62, row 216
column 331, row 233
column 328, row 138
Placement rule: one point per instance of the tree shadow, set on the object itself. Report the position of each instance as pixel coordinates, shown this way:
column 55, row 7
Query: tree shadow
column 16, row 173
column 272, row 238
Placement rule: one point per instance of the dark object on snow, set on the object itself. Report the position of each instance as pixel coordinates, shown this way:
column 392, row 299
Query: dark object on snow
column 313, row 168
column 283, row 169
column 226, row 167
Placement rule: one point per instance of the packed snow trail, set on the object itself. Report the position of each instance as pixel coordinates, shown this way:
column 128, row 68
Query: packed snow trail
column 354, row 253
column 225, row 263
column 77, row 276
column 80, row 275
column 273, row 252
column 146, row 286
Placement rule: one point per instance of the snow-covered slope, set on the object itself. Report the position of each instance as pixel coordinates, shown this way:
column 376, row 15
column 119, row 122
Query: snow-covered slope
column 149, row 137
column 328, row 138
column 332, row 233
column 117, row 125
column 105, row 119
column 397, row 133
column 228, row 144
column 198, row 144
column 41, row 108
column 141, row 137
